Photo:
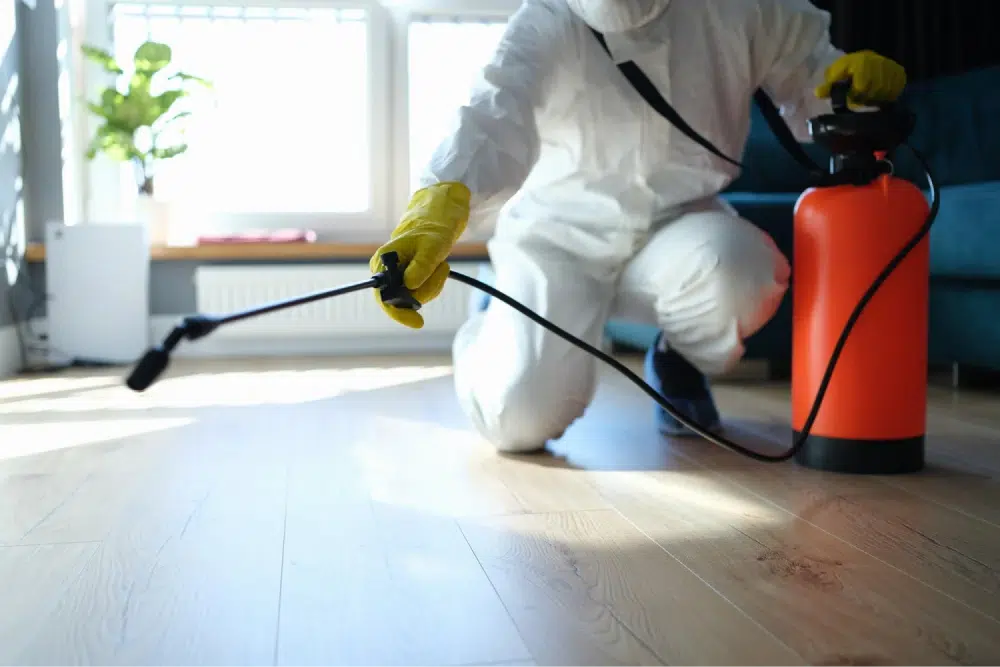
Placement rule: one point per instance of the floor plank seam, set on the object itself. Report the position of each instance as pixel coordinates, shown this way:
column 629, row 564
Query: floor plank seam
column 281, row 574
column 197, row 508
column 33, row 545
column 940, row 503
column 503, row 603
column 643, row 643
column 69, row 496
column 488, row 663
column 726, row 478
column 526, row 513
column 935, row 542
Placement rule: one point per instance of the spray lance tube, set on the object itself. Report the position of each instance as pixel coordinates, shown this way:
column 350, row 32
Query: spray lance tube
column 859, row 142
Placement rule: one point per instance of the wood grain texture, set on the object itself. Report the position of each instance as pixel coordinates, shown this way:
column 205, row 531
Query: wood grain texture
column 36, row 582
column 826, row 599
column 588, row 588
column 361, row 558
column 189, row 567
column 952, row 552
column 278, row 512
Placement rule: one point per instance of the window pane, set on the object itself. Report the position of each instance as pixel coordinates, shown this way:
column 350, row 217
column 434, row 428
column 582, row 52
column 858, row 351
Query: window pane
column 440, row 79
column 286, row 129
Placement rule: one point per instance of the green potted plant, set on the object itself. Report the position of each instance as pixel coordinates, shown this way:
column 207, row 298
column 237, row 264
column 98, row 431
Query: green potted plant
column 141, row 120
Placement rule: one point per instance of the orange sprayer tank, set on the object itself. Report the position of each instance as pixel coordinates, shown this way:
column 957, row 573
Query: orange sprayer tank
column 858, row 223
column 873, row 416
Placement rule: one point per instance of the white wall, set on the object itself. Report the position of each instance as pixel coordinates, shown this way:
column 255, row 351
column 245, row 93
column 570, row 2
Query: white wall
column 10, row 352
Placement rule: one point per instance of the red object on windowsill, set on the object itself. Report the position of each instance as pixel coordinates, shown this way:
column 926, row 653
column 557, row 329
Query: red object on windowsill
column 261, row 236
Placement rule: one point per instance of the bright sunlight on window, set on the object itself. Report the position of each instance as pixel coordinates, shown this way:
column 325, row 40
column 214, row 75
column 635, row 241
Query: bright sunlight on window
column 460, row 48
column 288, row 128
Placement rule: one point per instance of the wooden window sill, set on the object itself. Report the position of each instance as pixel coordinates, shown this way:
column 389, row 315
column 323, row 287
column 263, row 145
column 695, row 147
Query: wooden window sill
column 272, row 252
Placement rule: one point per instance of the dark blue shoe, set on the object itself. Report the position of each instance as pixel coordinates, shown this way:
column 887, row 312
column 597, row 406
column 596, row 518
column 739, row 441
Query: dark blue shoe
column 685, row 387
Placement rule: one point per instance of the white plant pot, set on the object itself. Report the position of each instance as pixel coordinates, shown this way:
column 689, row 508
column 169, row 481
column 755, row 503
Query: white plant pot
column 155, row 216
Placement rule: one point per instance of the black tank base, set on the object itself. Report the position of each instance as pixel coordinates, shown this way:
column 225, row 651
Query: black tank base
column 862, row 457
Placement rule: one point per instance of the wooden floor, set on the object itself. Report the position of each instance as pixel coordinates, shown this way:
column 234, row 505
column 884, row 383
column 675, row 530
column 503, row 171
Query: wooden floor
column 326, row 512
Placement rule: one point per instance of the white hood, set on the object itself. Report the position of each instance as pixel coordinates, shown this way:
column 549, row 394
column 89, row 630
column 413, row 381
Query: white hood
column 611, row 16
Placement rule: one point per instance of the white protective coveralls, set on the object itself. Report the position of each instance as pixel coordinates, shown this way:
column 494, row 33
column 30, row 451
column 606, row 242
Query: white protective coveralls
column 602, row 207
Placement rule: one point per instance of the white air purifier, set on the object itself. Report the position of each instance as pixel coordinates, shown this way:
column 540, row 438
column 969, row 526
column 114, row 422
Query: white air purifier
column 97, row 288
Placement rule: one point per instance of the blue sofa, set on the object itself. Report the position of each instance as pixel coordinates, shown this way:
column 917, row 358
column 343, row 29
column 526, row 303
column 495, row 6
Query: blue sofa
column 958, row 131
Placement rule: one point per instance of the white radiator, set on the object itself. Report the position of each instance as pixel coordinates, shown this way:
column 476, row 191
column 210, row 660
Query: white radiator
column 352, row 321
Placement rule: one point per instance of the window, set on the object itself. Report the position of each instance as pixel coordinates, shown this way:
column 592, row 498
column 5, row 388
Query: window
column 324, row 112
column 288, row 127
column 434, row 97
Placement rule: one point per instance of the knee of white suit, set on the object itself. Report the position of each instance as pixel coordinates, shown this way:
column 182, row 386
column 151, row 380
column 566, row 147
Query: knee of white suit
column 729, row 292
column 515, row 401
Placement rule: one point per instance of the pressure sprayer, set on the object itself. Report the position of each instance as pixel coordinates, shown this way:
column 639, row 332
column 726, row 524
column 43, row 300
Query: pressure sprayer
column 856, row 271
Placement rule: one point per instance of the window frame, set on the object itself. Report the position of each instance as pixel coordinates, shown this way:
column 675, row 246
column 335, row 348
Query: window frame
column 413, row 11
column 388, row 21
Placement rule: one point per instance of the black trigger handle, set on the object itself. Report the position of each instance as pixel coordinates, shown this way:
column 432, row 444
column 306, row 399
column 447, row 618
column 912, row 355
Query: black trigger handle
column 391, row 286
column 839, row 93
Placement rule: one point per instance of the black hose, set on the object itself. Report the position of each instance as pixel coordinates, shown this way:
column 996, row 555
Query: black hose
column 827, row 376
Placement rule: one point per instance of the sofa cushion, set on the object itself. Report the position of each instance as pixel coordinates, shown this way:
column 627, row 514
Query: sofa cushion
column 965, row 238
column 964, row 327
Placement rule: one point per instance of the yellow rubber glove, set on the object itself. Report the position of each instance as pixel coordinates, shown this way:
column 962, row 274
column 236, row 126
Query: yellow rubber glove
column 874, row 78
column 433, row 222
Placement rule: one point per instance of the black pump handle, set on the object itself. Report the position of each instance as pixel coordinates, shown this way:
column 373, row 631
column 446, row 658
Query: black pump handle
column 839, row 92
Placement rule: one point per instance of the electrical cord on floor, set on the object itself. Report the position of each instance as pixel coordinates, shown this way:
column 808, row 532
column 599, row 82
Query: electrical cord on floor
column 827, row 376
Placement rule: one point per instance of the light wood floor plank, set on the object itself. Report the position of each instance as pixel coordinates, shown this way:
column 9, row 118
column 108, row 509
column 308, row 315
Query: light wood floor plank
column 963, row 470
column 151, row 478
column 28, row 499
column 448, row 469
column 37, row 581
column 374, row 573
column 826, row 599
column 967, row 493
column 189, row 572
column 586, row 588
column 949, row 551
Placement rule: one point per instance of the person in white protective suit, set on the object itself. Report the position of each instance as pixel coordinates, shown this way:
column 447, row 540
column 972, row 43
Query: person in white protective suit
column 602, row 207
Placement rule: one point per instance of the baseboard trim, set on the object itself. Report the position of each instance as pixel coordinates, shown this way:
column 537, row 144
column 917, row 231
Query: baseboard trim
column 10, row 351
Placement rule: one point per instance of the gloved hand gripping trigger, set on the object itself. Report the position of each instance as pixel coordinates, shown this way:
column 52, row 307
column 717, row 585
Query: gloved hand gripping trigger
column 391, row 286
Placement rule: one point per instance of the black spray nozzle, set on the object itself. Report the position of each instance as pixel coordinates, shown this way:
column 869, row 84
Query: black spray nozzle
column 391, row 286
column 152, row 364
column 148, row 370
